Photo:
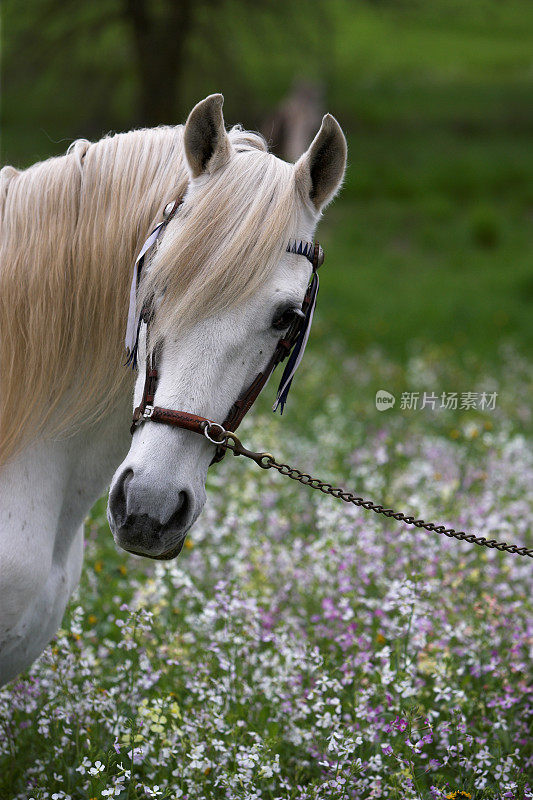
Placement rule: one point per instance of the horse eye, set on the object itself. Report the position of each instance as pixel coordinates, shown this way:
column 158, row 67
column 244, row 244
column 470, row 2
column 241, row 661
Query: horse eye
column 284, row 319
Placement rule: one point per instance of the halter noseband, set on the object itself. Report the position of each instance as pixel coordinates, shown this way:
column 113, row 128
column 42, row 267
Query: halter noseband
column 291, row 344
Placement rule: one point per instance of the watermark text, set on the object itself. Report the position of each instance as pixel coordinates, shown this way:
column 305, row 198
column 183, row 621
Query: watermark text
column 450, row 401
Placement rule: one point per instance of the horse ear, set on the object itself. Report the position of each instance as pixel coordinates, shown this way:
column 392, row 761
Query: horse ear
column 206, row 142
column 320, row 170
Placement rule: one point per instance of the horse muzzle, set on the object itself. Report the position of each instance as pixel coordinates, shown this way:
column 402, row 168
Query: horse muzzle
column 151, row 520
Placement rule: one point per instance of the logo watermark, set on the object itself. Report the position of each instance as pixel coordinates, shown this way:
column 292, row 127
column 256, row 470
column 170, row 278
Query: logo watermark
column 384, row 400
column 451, row 401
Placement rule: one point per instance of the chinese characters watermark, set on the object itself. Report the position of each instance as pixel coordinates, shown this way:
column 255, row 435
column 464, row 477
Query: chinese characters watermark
column 450, row 401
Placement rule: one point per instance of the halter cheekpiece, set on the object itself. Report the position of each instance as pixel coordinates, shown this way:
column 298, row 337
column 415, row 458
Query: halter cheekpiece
column 291, row 344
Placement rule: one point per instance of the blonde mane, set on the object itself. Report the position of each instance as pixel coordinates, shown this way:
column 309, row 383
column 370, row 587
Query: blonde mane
column 70, row 230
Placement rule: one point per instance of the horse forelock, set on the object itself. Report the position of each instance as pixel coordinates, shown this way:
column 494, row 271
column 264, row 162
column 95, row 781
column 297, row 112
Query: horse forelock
column 225, row 240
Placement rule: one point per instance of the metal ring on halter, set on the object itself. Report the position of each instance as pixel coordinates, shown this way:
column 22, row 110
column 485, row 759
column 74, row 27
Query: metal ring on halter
column 207, row 428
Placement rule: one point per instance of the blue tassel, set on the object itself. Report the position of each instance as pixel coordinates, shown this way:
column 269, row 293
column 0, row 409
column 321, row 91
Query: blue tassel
column 298, row 349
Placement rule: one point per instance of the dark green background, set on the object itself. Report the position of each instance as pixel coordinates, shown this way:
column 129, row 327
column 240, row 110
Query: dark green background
column 430, row 240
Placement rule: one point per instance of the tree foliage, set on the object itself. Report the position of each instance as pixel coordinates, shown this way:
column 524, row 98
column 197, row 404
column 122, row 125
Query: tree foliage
column 77, row 69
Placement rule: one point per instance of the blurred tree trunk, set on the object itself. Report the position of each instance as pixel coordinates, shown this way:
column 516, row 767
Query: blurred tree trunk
column 160, row 41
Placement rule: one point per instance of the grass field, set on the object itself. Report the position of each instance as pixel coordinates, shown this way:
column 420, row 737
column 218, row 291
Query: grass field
column 432, row 241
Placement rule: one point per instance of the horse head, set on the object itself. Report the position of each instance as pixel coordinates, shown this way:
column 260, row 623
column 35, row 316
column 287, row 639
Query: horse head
column 220, row 289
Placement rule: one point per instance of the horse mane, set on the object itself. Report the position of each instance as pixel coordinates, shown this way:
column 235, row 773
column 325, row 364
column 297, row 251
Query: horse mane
column 71, row 227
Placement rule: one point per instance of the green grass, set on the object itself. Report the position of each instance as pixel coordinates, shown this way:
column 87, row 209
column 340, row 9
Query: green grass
column 431, row 240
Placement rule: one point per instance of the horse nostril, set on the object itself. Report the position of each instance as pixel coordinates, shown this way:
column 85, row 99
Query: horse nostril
column 118, row 495
column 181, row 514
column 126, row 480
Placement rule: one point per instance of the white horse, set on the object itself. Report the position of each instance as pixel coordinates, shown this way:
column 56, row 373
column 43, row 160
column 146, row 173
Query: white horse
column 71, row 228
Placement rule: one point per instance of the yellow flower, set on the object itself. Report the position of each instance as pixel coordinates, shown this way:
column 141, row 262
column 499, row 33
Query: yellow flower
column 92, row 619
column 157, row 728
column 455, row 433
column 380, row 638
column 127, row 738
column 189, row 544
column 426, row 665
column 98, row 566
column 122, row 569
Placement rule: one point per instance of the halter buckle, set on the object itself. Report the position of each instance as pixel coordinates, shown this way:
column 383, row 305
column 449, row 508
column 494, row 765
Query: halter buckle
column 148, row 411
column 207, row 431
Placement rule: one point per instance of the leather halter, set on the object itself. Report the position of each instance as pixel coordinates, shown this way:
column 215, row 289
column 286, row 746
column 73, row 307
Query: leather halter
column 192, row 422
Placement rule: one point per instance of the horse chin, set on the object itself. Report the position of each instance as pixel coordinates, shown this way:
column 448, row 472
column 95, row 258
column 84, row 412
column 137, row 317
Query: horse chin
column 168, row 556
column 140, row 538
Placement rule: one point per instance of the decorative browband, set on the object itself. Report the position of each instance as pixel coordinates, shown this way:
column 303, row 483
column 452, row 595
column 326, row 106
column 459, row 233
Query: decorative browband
column 306, row 249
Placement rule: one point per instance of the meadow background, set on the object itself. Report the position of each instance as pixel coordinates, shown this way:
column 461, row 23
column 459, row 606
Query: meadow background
column 297, row 650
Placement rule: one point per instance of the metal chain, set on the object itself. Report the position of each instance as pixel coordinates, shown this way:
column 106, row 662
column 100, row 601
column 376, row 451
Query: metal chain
column 349, row 497
column 229, row 441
